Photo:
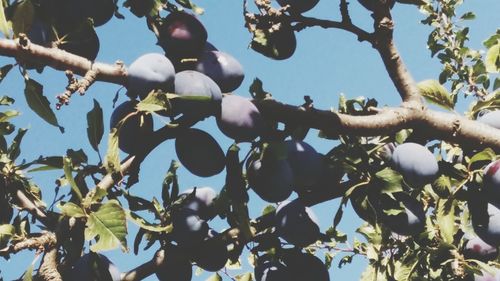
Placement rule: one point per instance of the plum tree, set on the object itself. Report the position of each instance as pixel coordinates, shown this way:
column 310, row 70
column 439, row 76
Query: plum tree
column 200, row 153
column 297, row 261
column 296, row 223
column 223, row 68
column 239, row 119
column 476, row 248
column 307, row 164
column 268, row 269
column 136, row 124
column 271, row 180
column 174, row 266
column 149, row 72
column 201, row 202
column 211, row 254
column 94, row 267
column 299, row 6
column 415, row 162
column 182, row 35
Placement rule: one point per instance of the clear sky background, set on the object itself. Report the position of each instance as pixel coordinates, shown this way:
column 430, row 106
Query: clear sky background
column 325, row 64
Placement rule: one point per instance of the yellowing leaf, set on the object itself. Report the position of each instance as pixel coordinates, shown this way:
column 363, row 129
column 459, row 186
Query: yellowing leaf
column 108, row 225
column 435, row 93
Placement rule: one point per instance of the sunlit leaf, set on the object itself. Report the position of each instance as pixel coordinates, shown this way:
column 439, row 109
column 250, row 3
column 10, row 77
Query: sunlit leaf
column 71, row 209
column 492, row 60
column 108, row 225
column 435, row 93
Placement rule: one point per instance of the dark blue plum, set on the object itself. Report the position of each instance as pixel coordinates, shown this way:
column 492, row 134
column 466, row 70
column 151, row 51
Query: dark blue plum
column 271, row 180
column 299, row 6
column 486, row 221
column 491, row 118
column 94, row 267
column 136, row 129
column 280, row 44
column 491, row 180
column 211, row 254
column 239, row 119
column 416, row 163
column 307, row 164
column 149, row 72
column 200, row 153
column 304, row 266
column 189, row 228
column 223, row 68
column 173, row 265
column 296, row 223
column 476, row 248
column 409, row 222
column 202, row 201
column 271, row 270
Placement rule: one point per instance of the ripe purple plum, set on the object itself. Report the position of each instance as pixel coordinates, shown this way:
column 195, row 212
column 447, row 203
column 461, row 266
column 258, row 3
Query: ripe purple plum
column 297, row 261
column 211, row 254
column 94, row 267
column 296, row 223
column 410, row 221
column 173, row 265
column 191, row 83
column 149, row 72
column 491, row 118
column 306, row 163
column 223, row 68
column 239, row 119
column 202, row 201
column 271, row 270
column 135, row 130
column 271, row 180
column 200, row 153
column 476, row 248
column 416, row 163
column 72, row 12
column 182, row 35
column 491, row 178
column 81, row 41
column 485, row 276
column 486, row 221
column 299, row 6
column 189, row 228
column 280, row 44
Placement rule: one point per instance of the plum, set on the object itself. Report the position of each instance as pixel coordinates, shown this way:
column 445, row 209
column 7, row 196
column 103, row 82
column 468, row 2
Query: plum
column 239, row 119
column 200, row 153
column 81, row 41
column 149, row 72
column 136, row 128
column 211, row 254
column 271, row 270
column 476, row 248
column 410, row 221
column 491, row 118
column 189, row 228
column 75, row 11
column 297, row 261
column 280, row 44
column 491, row 178
column 201, row 202
column 486, row 276
column 182, row 35
column 93, row 267
column 296, row 223
column 271, row 180
column 191, row 83
column 173, row 265
column 223, row 68
column 298, row 6
column 486, row 221
column 307, row 164
column 415, row 162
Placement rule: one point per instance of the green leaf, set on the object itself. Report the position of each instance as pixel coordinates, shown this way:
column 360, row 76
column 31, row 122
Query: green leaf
column 492, row 60
column 4, row 70
column 4, row 25
column 39, row 103
column 6, row 232
column 435, row 93
column 214, row 277
column 8, row 114
column 496, row 84
column 112, row 163
column 71, row 209
column 15, row 147
column 486, row 155
column 468, row 16
column 28, row 274
column 391, row 180
column 155, row 101
column 445, row 220
column 108, row 225
column 244, row 277
column 268, row 209
column 493, row 40
column 141, row 222
column 68, row 167
column 95, row 126
column 23, row 17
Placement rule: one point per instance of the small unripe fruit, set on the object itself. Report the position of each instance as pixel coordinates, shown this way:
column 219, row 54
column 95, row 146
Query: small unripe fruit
column 200, row 153
column 223, row 68
column 416, row 163
column 95, row 267
column 149, row 72
column 296, row 223
column 239, row 119
column 136, row 129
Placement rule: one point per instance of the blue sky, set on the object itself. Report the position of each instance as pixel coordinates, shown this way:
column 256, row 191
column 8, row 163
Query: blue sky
column 325, row 64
